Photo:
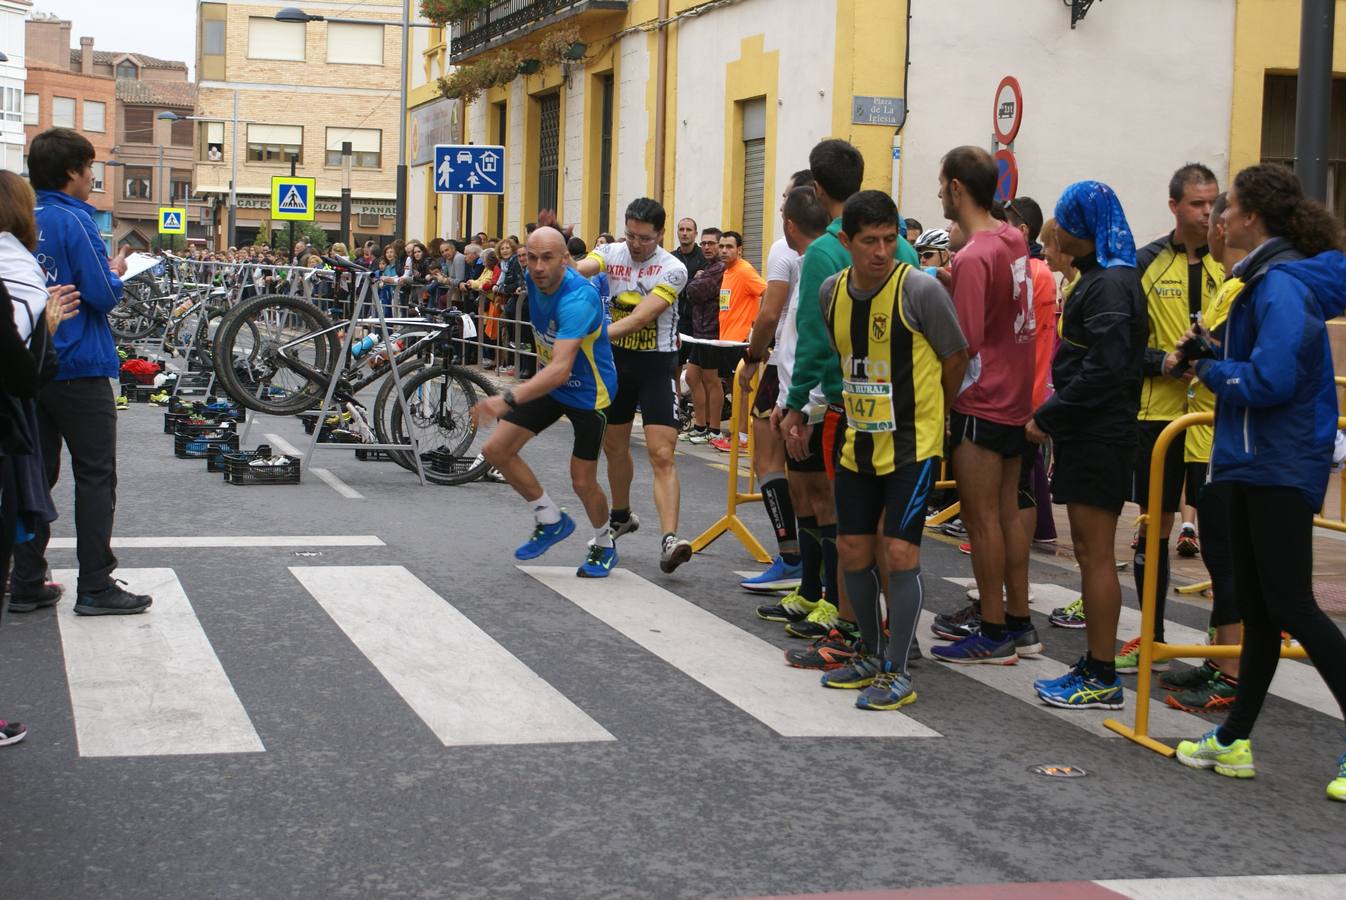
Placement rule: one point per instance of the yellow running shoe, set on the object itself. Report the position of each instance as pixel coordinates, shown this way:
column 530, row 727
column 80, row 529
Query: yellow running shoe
column 819, row 623
column 122, row 402
column 1233, row 761
column 1336, row 788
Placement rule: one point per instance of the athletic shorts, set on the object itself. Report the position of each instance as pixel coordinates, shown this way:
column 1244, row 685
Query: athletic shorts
column 817, row 458
column 1027, row 497
column 1175, row 468
column 645, row 378
column 768, row 389
column 898, row 499
column 724, row 359
column 1094, row 474
column 540, row 414
column 1007, row 440
column 702, row 356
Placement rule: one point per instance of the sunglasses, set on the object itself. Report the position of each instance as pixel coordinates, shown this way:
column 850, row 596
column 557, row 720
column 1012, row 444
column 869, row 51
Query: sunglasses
column 929, row 254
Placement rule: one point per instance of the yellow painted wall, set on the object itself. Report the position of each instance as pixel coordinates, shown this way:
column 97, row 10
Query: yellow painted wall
column 756, row 73
column 870, row 57
column 1266, row 38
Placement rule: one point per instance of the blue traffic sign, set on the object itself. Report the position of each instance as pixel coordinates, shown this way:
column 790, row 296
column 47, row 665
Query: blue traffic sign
column 469, row 169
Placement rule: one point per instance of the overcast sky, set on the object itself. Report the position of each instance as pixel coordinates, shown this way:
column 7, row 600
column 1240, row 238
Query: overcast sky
column 162, row 28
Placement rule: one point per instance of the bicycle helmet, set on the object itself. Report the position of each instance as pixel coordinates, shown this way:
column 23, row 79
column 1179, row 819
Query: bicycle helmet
column 933, row 239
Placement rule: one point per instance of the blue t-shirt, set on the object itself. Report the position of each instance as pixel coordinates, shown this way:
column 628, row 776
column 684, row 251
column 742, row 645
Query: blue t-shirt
column 575, row 312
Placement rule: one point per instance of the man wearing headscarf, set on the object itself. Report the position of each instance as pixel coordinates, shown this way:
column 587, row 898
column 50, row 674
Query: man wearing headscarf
column 1091, row 420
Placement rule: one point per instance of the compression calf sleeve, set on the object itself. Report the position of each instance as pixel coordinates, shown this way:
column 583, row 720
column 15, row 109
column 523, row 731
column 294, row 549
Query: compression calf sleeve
column 781, row 512
column 810, row 558
column 863, row 589
column 830, row 579
column 905, row 597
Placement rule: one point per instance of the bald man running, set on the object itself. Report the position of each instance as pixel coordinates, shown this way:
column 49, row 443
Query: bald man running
column 575, row 379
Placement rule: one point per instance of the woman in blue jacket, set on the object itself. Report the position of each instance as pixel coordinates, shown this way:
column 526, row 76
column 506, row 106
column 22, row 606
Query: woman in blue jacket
column 1275, row 424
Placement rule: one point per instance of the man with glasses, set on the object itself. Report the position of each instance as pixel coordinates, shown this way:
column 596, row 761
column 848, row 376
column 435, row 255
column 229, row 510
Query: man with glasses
column 645, row 281
column 703, row 367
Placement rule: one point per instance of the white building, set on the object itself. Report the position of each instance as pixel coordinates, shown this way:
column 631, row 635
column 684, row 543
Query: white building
column 13, row 74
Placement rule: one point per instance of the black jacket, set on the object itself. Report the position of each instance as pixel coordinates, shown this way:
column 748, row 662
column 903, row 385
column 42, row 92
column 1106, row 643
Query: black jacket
column 1097, row 370
column 703, row 302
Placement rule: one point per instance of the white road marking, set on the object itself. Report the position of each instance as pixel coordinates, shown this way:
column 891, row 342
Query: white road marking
column 149, row 684
column 1296, row 681
column 742, row 668
column 466, row 687
column 181, row 541
column 324, row 475
column 1231, row 887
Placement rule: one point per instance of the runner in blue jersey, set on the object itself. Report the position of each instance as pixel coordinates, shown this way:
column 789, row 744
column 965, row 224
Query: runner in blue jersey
column 575, row 379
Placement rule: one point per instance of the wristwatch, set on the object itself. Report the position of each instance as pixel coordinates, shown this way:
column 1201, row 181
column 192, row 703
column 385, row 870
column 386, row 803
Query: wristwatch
column 508, row 397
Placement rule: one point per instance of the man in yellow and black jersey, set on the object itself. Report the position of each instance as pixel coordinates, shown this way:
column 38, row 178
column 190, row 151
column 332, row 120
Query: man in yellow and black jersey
column 902, row 357
column 1180, row 277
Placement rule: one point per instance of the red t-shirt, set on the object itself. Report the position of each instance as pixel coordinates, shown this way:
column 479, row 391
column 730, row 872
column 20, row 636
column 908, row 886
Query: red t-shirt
column 991, row 297
column 1044, row 313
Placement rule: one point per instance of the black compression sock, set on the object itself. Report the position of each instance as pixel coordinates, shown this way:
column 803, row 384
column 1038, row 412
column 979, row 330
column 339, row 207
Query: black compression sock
column 994, row 630
column 830, row 576
column 620, row 515
column 1017, row 623
column 1103, row 670
column 811, row 558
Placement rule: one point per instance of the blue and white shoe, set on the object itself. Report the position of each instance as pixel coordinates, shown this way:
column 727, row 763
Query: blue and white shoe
column 544, row 537
column 1080, row 690
column 598, row 563
column 1045, row 684
column 890, row 689
column 781, row 576
column 978, row 648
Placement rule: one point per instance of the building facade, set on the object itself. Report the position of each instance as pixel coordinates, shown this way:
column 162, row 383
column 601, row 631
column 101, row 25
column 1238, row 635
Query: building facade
column 432, row 119
column 13, row 76
column 275, row 93
column 65, row 88
column 710, row 105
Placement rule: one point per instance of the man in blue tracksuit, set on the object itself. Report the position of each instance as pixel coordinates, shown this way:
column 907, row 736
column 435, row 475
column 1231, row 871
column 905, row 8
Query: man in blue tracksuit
column 78, row 406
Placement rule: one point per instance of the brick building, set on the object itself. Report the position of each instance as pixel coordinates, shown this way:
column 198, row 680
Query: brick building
column 156, row 156
column 300, row 91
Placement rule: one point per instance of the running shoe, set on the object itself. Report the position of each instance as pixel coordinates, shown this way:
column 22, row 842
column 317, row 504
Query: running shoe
column 13, row 732
column 722, row 444
column 859, row 673
column 699, row 437
column 47, row 595
column 1188, row 679
column 1188, row 546
column 622, row 529
column 958, row 625
column 1048, row 684
column 122, row 402
column 965, row 548
column 1215, row 695
column 507, row 371
column 113, row 600
column 160, row 399
column 826, row 653
column 954, row 528
column 676, row 552
column 1080, row 690
column 888, row 690
column 686, row 435
column 1233, row 761
column 1069, row 616
column 1026, row 641
column 793, row 607
column 819, row 622
column 1336, row 788
column 978, row 648
column 1128, row 659
column 780, row 576
column 544, row 537
column 598, row 563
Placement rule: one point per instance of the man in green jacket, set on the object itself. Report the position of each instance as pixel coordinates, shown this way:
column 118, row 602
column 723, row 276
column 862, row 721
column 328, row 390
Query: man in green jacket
column 838, row 170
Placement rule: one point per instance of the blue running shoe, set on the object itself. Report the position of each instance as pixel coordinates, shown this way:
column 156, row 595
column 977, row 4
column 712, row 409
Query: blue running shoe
column 978, row 648
column 859, row 673
column 781, row 576
column 598, row 563
column 1044, row 684
column 889, row 690
column 544, row 536
column 1080, row 690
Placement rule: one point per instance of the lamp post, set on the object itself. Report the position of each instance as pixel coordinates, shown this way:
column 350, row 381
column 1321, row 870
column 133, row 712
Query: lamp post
column 295, row 14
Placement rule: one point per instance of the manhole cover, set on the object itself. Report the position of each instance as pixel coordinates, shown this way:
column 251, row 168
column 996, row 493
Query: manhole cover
column 1058, row 771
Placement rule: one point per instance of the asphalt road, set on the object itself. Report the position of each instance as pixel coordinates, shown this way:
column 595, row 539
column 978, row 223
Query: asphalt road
column 430, row 720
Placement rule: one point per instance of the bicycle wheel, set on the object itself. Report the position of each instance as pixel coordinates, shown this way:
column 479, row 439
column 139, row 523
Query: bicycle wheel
column 253, row 343
column 439, row 401
column 134, row 317
column 384, row 403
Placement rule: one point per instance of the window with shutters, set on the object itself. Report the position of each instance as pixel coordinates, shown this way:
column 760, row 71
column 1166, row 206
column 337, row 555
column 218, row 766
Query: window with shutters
column 275, row 143
column 180, row 185
column 501, row 129
column 30, row 109
column 366, row 147
column 127, row 69
column 355, row 44
column 1279, row 96
column 99, row 174
column 11, row 104
column 95, row 116
column 137, row 125
column 211, row 148
column 180, row 134
column 63, row 112
column 136, row 185
column 605, row 158
column 269, row 39
column 548, row 158
column 754, row 180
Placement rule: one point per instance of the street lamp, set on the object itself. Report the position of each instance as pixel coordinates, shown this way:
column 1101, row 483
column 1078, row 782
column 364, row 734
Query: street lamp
column 295, row 14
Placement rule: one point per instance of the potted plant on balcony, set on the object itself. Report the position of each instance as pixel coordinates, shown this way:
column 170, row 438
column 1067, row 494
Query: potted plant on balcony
column 468, row 81
column 561, row 45
column 453, row 12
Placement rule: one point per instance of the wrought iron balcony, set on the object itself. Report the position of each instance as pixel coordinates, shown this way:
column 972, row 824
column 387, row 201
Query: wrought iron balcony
column 510, row 19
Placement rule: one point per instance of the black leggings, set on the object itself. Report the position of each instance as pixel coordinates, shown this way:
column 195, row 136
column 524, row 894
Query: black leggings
column 1271, row 538
column 1213, row 505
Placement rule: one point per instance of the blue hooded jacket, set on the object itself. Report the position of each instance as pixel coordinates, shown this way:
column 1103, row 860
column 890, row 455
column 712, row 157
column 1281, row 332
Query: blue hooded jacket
column 70, row 251
column 1276, row 403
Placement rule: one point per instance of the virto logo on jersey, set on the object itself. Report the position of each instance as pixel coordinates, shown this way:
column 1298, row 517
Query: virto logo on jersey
column 867, row 368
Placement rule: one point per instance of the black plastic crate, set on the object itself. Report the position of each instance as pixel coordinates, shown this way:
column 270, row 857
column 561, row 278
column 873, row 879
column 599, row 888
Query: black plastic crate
column 139, row 393
column 193, row 441
column 238, row 468
column 445, row 463
column 373, row 455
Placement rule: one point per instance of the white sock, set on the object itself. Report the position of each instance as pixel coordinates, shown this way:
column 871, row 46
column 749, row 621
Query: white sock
column 1186, row 525
column 602, row 537
column 545, row 510
column 743, row 437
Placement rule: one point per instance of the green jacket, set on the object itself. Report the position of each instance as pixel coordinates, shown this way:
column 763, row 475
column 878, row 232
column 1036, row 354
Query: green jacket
column 816, row 361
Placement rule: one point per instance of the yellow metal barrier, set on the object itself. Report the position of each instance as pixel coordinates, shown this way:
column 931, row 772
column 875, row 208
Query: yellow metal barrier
column 1150, row 650
column 742, row 400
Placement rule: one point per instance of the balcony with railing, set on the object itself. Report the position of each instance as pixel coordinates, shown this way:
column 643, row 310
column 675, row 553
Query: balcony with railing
column 508, row 20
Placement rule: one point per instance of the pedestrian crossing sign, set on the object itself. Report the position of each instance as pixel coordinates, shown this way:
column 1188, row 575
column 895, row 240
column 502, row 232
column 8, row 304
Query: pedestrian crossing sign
column 292, row 198
column 172, row 220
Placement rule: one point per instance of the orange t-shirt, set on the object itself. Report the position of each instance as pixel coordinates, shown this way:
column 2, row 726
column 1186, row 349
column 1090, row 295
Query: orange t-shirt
column 1044, row 315
column 741, row 290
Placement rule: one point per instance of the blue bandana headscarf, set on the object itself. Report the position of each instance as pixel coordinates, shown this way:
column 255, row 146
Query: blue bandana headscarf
column 1090, row 209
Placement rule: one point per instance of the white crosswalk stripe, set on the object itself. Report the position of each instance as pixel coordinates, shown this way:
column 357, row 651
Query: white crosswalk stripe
column 149, row 684
column 740, row 667
column 466, row 687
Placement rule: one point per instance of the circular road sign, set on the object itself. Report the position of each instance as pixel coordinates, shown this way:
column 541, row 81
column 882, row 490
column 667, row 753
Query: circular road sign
column 1009, row 109
column 1007, row 182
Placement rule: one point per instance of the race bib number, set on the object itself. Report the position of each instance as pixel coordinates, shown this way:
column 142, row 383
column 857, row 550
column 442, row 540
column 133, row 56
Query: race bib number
column 724, row 299
column 869, row 406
